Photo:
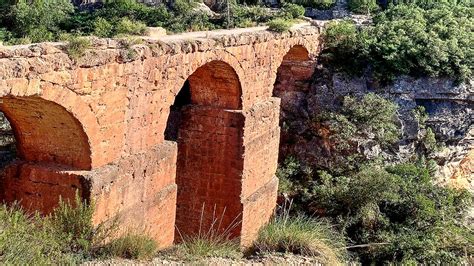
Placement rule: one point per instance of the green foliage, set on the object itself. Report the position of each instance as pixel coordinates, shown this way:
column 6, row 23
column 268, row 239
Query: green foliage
column 241, row 15
column 363, row 6
column 67, row 236
column 131, row 246
column 29, row 240
column 129, row 27
column 302, row 235
column 102, row 28
column 292, row 11
column 319, row 4
column 358, row 120
column 77, row 46
column 39, row 20
column 392, row 214
column 203, row 247
column 279, row 25
column 407, row 40
column 4, row 35
column 341, row 46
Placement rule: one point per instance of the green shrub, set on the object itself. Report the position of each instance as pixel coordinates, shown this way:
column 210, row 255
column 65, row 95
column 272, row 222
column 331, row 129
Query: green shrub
column 39, row 20
column 292, row 11
column 131, row 246
column 279, row 25
column 5, row 35
column 102, row 28
column 342, row 44
column 393, row 214
column 318, row 4
column 242, row 15
column 77, row 46
column 407, row 40
column 358, row 120
column 130, row 27
column 363, row 6
column 28, row 240
column 302, row 235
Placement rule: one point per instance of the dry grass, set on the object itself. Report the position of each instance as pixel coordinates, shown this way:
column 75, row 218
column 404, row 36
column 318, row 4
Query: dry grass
column 302, row 235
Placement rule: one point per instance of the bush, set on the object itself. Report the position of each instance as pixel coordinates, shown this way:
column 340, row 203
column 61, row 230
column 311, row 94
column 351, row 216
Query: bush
column 242, row 15
column 318, row 4
column 358, row 121
column 363, row 6
column 131, row 246
column 40, row 20
column 302, row 235
column 77, row 46
column 393, row 214
column 407, row 40
column 279, row 25
column 292, row 11
column 26, row 239
column 102, row 28
column 129, row 27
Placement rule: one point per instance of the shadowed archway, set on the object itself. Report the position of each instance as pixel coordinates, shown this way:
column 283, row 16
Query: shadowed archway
column 293, row 80
column 207, row 123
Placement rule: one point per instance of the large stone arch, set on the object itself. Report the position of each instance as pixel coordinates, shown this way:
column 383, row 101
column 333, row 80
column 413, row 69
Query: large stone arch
column 210, row 152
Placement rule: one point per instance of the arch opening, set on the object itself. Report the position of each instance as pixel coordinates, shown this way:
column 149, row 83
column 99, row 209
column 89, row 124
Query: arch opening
column 207, row 123
column 50, row 146
column 292, row 83
column 7, row 142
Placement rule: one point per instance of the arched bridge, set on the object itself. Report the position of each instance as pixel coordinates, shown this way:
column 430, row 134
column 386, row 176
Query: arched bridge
column 172, row 135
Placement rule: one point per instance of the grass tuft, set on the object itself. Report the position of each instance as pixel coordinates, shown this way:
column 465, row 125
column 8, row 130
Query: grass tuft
column 198, row 248
column 77, row 46
column 301, row 235
column 131, row 246
column 279, row 25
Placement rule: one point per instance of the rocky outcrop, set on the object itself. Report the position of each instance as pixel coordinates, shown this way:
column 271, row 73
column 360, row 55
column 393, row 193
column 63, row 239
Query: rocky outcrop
column 450, row 116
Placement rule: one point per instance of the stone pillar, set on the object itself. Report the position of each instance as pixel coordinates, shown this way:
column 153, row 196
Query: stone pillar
column 209, row 171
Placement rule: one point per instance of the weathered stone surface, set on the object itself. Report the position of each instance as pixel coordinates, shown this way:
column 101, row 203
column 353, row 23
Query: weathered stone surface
column 449, row 106
column 101, row 120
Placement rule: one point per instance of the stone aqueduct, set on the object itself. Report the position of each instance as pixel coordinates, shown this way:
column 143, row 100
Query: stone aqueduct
column 177, row 134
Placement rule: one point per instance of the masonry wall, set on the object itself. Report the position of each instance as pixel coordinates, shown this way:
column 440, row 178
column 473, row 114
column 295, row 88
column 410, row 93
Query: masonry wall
column 121, row 106
column 209, row 170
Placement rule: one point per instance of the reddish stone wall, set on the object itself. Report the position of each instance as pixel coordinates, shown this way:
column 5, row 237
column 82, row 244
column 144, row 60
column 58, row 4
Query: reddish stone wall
column 38, row 187
column 110, row 111
column 209, row 170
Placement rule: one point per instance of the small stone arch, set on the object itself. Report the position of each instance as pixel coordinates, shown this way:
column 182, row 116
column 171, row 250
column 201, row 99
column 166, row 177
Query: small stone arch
column 52, row 147
column 209, row 124
column 46, row 132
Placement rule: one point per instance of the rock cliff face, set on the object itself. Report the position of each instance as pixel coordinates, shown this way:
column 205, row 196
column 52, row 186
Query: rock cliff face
column 450, row 116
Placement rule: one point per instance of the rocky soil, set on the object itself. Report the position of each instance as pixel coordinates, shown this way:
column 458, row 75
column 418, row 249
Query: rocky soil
column 268, row 259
